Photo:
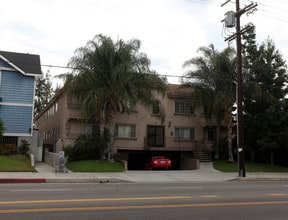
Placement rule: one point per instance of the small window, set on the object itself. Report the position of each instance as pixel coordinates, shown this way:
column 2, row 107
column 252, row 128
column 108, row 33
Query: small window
column 184, row 133
column 125, row 131
column 93, row 129
column 183, row 108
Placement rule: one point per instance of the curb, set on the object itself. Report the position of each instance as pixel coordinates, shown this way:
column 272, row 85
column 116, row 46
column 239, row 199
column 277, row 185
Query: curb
column 262, row 179
column 22, row 180
column 86, row 181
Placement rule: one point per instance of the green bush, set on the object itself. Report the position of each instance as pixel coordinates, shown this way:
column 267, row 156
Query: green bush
column 86, row 147
column 24, row 147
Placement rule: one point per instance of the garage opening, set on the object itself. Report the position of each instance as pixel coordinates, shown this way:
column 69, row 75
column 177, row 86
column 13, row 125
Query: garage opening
column 137, row 160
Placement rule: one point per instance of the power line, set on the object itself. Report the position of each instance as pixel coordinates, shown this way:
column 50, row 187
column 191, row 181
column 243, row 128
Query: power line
column 55, row 66
column 65, row 67
column 270, row 9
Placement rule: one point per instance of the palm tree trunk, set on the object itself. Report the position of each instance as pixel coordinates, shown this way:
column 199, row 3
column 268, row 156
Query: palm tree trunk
column 102, row 133
column 230, row 147
column 111, row 150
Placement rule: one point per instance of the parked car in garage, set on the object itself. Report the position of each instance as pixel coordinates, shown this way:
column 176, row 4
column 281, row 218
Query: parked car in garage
column 158, row 162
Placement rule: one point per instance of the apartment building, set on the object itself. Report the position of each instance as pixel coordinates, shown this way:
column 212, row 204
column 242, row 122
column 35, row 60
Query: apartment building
column 138, row 135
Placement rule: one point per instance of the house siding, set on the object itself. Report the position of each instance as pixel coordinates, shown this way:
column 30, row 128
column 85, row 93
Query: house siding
column 16, row 110
column 16, row 119
column 16, row 88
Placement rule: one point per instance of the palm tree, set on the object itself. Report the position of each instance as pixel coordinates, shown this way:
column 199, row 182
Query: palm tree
column 212, row 79
column 110, row 78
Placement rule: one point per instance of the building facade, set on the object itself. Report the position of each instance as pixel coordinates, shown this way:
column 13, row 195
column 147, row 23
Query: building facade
column 138, row 135
column 17, row 90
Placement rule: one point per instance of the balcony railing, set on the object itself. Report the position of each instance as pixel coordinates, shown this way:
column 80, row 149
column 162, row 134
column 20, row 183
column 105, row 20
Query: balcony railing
column 171, row 143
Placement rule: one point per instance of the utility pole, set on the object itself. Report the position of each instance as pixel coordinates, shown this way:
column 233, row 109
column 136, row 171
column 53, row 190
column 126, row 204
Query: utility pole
column 241, row 158
column 230, row 22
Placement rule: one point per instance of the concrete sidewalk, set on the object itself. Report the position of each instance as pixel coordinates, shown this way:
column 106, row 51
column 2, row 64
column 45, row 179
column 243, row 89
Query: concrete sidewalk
column 46, row 174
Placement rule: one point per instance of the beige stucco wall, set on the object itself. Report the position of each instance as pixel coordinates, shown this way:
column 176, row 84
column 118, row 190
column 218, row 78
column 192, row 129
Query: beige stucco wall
column 70, row 124
column 142, row 118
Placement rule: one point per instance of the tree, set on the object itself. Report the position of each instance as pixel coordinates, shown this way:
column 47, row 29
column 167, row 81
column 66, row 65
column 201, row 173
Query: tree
column 43, row 92
column 110, row 78
column 214, row 87
column 264, row 97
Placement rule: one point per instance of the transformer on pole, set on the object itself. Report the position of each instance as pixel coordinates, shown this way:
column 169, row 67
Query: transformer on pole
column 229, row 20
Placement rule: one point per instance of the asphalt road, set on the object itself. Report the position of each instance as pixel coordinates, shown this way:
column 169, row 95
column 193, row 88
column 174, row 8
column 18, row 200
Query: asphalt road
column 226, row 200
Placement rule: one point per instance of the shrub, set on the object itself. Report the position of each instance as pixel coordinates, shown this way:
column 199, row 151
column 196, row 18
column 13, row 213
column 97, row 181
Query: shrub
column 24, row 147
column 86, row 147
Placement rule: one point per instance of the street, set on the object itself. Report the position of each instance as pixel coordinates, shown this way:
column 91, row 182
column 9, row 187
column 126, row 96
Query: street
column 221, row 200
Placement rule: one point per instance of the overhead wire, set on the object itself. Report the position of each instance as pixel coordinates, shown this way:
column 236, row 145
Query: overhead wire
column 66, row 67
column 269, row 10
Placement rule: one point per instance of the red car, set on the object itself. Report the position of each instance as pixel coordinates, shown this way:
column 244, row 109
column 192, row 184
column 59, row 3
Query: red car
column 158, row 162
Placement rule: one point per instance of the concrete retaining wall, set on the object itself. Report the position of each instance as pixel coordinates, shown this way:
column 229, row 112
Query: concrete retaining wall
column 190, row 164
column 50, row 157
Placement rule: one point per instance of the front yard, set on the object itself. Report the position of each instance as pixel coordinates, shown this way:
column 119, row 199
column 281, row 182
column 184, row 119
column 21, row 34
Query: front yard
column 15, row 163
column 95, row 166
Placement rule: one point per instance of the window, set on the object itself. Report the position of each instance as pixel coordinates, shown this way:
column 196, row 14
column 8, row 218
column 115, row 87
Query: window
column 183, row 108
column 125, row 131
column 155, row 136
column 184, row 133
column 9, row 140
column 93, row 129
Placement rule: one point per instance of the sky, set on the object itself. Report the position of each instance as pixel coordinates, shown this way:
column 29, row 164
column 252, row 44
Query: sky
column 170, row 31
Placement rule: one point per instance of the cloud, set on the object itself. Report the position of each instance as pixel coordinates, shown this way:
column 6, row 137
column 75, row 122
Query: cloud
column 170, row 31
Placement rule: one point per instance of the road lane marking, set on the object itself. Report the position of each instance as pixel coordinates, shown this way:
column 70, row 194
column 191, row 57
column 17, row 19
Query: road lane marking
column 105, row 208
column 93, row 200
column 278, row 194
column 39, row 190
column 210, row 196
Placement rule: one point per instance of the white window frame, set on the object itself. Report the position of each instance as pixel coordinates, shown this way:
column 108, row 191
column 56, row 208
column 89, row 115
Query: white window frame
column 125, row 131
column 183, row 108
column 186, row 133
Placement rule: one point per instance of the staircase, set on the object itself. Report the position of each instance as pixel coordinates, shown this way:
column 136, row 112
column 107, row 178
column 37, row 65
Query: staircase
column 203, row 156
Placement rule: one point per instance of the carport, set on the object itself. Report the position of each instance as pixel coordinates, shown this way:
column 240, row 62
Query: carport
column 137, row 159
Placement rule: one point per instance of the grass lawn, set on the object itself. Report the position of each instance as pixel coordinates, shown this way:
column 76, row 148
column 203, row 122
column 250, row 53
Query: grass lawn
column 225, row 166
column 95, row 166
column 15, row 163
